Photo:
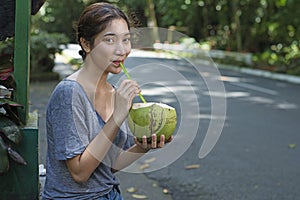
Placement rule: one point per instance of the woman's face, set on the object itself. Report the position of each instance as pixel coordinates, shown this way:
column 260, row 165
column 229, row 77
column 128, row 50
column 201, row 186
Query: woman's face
column 111, row 46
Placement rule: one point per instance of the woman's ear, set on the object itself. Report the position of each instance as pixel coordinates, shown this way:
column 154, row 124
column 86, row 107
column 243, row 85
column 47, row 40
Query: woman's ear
column 85, row 45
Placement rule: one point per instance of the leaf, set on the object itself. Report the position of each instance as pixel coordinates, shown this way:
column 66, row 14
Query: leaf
column 131, row 189
column 4, row 163
column 16, row 156
column 139, row 196
column 9, row 102
column 166, row 191
column 144, row 166
column 150, row 160
column 4, row 92
column 292, row 146
column 196, row 166
column 10, row 129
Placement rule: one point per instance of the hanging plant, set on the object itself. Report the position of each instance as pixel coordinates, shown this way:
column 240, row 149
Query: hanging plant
column 10, row 134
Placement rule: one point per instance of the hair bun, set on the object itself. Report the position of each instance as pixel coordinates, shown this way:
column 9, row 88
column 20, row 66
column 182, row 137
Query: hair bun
column 82, row 53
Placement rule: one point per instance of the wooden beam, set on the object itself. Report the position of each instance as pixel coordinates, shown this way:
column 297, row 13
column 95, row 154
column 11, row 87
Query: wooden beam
column 22, row 54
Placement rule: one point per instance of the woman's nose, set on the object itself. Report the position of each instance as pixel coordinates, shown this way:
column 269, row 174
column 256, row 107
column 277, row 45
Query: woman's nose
column 120, row 49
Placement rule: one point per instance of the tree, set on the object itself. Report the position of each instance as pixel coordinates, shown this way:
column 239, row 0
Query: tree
column 239, row 25
column 59, row 17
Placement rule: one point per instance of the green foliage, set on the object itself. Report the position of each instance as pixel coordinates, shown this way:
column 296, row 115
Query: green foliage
column 6, row 55
column 10, row 134
column 232, row 25
column 284, row 59
column 59, row 17
column 7, row 47
column 44, row 46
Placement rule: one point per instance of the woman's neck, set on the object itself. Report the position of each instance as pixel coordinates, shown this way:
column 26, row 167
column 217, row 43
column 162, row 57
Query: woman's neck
column 93, row 80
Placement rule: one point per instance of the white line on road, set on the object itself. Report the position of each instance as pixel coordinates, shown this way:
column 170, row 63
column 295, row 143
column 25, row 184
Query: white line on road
column 255, row 88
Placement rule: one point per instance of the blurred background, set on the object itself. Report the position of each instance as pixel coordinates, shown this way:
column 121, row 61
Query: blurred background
column 267, row 30
column 257, row 156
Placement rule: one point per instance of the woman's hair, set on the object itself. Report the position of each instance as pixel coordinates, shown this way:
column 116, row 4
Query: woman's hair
column 94, row 19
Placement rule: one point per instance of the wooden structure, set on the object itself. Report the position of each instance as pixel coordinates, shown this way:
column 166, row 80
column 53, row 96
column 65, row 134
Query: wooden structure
column 22, row 182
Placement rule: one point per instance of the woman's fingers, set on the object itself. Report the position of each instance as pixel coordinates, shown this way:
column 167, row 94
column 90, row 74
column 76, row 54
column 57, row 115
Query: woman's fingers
column 123, row 99
column 129, row 88
column 162, row 141
column 144, row 142
column 154, row 144
column 153, row 141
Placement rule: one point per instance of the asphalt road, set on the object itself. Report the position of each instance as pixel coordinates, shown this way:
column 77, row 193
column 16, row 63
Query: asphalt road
column 257, row 154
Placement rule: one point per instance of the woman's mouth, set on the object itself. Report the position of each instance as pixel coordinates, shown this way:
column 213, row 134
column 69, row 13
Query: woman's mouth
column 117, row 63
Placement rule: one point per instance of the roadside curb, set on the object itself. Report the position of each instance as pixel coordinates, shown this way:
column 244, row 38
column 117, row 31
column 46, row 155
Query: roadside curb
column 262, row 73
column 256, row 72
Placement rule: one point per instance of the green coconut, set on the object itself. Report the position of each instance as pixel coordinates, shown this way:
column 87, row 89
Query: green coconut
column 152, row 118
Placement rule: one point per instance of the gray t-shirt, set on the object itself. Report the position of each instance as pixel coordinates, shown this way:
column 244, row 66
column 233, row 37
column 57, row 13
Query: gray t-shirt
column 72, row 123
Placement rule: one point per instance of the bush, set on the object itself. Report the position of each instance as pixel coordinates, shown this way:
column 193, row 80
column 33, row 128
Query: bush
column 283, row 59
column 7, row 47
column 44, row 46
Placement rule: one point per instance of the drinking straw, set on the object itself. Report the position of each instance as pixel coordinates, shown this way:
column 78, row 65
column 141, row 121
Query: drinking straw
column 129, row 77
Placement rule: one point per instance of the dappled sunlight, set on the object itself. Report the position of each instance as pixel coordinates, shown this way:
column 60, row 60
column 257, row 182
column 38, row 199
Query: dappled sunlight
column 163, row 87
column 227, row 94
column 206, row 117
column 229, row 79
column 262, row 100
column 255, row 88
column 258, row 99
column 286, row 106
column 138, row 53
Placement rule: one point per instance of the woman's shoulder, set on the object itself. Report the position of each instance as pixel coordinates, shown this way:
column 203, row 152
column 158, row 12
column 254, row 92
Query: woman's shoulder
column 66, row 89
column 67, row 85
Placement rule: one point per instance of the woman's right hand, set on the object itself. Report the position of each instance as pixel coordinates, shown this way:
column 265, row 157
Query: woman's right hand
column 127, row 90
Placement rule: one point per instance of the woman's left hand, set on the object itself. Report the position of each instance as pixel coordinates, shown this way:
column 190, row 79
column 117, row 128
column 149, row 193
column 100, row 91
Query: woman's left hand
column 154, row 144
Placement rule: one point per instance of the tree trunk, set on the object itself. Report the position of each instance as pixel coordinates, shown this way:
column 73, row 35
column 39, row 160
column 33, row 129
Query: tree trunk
column 152, row 22
column 237, row 25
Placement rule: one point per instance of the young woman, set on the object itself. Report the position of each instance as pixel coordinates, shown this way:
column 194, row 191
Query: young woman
column 87, row 138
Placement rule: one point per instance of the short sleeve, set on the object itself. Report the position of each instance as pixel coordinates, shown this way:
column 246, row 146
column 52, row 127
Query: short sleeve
column 66, row 121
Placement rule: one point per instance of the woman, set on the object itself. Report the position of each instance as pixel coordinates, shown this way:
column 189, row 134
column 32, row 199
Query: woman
column 86, row 134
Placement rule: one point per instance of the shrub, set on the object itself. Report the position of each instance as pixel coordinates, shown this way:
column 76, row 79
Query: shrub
column 44, row 46
column 283, row 59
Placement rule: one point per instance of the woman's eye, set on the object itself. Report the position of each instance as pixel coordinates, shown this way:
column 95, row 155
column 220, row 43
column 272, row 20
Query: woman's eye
column 109, row 40
column 126, row 40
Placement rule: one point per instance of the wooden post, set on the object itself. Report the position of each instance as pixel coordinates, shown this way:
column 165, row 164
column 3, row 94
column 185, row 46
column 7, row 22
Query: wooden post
column 22, row 55
column 22, row 182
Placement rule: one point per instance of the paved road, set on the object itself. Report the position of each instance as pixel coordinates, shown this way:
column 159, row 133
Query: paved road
column 257, row 155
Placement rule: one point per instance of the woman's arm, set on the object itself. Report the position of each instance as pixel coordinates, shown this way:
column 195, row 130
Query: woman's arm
column 82, row 166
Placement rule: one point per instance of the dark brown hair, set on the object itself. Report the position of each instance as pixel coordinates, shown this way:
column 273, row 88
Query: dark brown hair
column 94, row 19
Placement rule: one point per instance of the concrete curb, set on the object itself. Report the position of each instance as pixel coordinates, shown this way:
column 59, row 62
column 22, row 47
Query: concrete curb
column 256, row 72
column 262, row 73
